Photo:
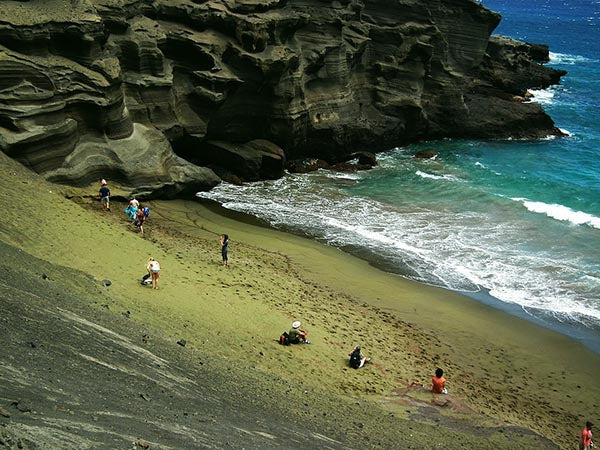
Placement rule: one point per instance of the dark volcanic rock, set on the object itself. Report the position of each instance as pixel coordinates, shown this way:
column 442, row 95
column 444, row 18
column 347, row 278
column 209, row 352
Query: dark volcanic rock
column 306, row 165
column 425, row 154
column 350, row 167
column 366, row 158
column 230, row 83
column 252, row 161
column 539, row 52
column 509, row 66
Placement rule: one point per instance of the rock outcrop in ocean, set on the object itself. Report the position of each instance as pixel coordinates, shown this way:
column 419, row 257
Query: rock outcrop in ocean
column 118, row 87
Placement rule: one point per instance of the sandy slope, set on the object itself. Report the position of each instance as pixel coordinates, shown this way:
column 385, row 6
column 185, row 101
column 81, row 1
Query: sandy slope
column 501, row 370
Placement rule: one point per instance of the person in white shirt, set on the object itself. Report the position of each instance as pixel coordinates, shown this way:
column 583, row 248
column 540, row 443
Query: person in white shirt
column 153, row 268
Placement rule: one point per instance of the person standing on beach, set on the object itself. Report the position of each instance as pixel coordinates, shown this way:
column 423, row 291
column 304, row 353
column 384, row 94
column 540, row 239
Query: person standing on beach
column 224, row 249
column 153, row 268
column 585, row 442
column 438, row 385
column 104, row 194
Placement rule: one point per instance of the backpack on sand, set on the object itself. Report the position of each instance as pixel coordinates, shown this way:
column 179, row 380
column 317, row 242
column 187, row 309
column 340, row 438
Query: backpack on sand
column 284, row 339
column 355, row 360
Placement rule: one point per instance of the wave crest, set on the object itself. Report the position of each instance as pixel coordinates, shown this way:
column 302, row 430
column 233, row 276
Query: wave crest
column 436, row 177
column 563, row 58
column 541, row 96
column 560, row 212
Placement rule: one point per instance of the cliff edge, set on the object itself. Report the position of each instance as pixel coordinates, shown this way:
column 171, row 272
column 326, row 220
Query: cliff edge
column 92, row 88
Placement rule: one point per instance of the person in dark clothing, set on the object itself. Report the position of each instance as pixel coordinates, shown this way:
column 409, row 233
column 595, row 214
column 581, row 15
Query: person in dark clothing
column 104, row 194
column 139, row 220
column 224, row 248
column 357, row 359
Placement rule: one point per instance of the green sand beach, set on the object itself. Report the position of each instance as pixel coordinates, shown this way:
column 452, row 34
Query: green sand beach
column 511, row 383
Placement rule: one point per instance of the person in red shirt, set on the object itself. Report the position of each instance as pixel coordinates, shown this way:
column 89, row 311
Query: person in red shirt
column 585, row 442
column 438, row 382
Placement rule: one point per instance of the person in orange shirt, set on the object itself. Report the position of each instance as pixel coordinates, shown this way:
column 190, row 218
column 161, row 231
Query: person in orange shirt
column 438, row 382
column 585, row 442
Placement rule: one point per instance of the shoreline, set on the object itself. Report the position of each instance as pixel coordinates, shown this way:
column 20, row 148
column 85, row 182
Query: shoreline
column 504, row 374
column 589, row 337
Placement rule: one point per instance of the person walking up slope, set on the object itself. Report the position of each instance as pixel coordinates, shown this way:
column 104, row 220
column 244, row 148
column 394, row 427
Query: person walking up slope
column 104, row 194
column 585, row 442
column 438, row 382
column 140, row 217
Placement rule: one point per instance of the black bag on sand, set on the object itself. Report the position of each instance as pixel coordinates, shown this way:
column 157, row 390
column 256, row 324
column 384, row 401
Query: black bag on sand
column 144, row 281
column 284, row 339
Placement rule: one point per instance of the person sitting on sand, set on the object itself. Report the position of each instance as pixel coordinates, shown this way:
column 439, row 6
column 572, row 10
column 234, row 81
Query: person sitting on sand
column 296, row 335
column 357, row 359
column 153, row 268
column 585, row 442
column 224, row 248
column 438, row 382
column 104, row 194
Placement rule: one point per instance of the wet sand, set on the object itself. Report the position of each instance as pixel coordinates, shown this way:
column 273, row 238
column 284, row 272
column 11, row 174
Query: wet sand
column 502, row 371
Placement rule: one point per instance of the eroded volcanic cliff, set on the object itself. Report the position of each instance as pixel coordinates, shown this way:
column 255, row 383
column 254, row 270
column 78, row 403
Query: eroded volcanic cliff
column 110, row 88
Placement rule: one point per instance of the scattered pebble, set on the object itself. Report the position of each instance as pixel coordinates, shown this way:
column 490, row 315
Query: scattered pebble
column 22, row 406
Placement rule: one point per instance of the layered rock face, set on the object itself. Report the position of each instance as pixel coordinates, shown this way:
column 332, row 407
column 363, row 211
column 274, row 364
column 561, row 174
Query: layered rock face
column 243, row 85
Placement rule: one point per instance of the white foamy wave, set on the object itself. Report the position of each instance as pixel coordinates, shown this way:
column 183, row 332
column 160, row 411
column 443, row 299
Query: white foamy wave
column 553, row 303
column 480, row 165
column 567, row 132
column 436, row 177
column 343, row 175
column 560, row 212
column 542, row 96
column 462, row 250
column 372, row 235
column 563, row 58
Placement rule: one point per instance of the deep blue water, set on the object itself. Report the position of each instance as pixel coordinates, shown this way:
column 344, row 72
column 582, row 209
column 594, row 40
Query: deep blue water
column 515, row 224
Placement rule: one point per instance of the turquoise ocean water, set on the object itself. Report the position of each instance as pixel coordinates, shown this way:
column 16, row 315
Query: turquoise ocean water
column 512, row 223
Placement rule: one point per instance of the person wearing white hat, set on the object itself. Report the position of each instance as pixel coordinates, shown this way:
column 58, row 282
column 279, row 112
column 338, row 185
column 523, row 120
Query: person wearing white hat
column 296, row 335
